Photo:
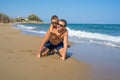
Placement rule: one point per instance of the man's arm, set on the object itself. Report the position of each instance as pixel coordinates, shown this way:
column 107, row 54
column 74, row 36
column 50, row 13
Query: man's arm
column 65, row 40
column 46, row 38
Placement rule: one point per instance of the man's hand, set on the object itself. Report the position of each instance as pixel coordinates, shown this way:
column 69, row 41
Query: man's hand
column 38, row 55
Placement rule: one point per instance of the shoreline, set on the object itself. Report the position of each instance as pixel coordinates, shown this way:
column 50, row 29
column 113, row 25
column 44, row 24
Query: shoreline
column 104, row 61
column 18, row 60
column 112, row 40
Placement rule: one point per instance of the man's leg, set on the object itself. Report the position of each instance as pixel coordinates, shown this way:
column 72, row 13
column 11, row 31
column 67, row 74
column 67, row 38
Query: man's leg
column 43, row 51
column 54, row 51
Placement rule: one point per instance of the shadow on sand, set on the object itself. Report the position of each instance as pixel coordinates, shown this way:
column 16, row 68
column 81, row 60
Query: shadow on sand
column 69, row 54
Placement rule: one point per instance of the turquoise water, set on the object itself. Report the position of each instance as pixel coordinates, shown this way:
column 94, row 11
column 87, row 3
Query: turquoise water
column 103, row 34
column 110, row 29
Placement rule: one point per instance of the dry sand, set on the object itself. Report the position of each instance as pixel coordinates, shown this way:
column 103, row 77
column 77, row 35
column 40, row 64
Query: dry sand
column 18, row 60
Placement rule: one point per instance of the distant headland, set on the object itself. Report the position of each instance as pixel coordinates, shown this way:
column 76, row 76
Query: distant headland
column 32, row 18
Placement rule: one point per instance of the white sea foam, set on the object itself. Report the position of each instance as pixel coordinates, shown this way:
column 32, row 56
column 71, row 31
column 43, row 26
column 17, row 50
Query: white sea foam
column 23, row 27
column 42, row 32
column 107, row 40
column 80, row 36
column 29, row 29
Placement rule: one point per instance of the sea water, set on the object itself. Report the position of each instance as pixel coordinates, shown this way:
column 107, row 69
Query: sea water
column 102, row 34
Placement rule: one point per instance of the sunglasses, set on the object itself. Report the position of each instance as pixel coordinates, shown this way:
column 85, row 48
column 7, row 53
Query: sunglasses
column 54, row 23
column 61, row 25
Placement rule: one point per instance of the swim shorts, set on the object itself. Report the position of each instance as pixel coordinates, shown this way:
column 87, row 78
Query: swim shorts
column 50, row 46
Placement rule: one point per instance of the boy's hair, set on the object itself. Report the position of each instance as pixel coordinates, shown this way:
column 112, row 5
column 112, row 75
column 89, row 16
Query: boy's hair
column 54, row 17
column 63, row 20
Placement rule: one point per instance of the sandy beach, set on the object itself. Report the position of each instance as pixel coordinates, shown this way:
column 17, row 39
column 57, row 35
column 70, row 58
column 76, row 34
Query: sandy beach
column 18, row 60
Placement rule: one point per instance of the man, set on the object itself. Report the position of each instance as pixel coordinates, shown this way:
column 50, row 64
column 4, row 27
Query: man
column 57, row 39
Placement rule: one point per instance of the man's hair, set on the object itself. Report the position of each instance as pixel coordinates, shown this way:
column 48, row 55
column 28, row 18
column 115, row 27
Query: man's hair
column 64, row 21
column 54, row 17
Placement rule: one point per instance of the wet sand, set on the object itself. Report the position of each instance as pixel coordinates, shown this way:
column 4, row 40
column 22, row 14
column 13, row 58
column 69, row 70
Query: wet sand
column 104, row 60
column 18, row 60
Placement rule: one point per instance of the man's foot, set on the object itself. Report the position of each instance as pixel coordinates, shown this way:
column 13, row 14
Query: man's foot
column 44, row 54
column 62, row 58
column 68, row 46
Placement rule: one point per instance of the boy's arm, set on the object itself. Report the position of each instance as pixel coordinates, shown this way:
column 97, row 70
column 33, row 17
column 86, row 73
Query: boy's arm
column 51, row 27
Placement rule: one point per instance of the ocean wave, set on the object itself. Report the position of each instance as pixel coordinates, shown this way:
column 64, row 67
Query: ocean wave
column 29, row 29
column 78, row 35
column 107, row 40
column 42, row 32
column 23, row 27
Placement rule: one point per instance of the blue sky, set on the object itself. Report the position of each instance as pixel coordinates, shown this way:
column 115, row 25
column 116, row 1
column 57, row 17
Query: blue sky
column 74, row 11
